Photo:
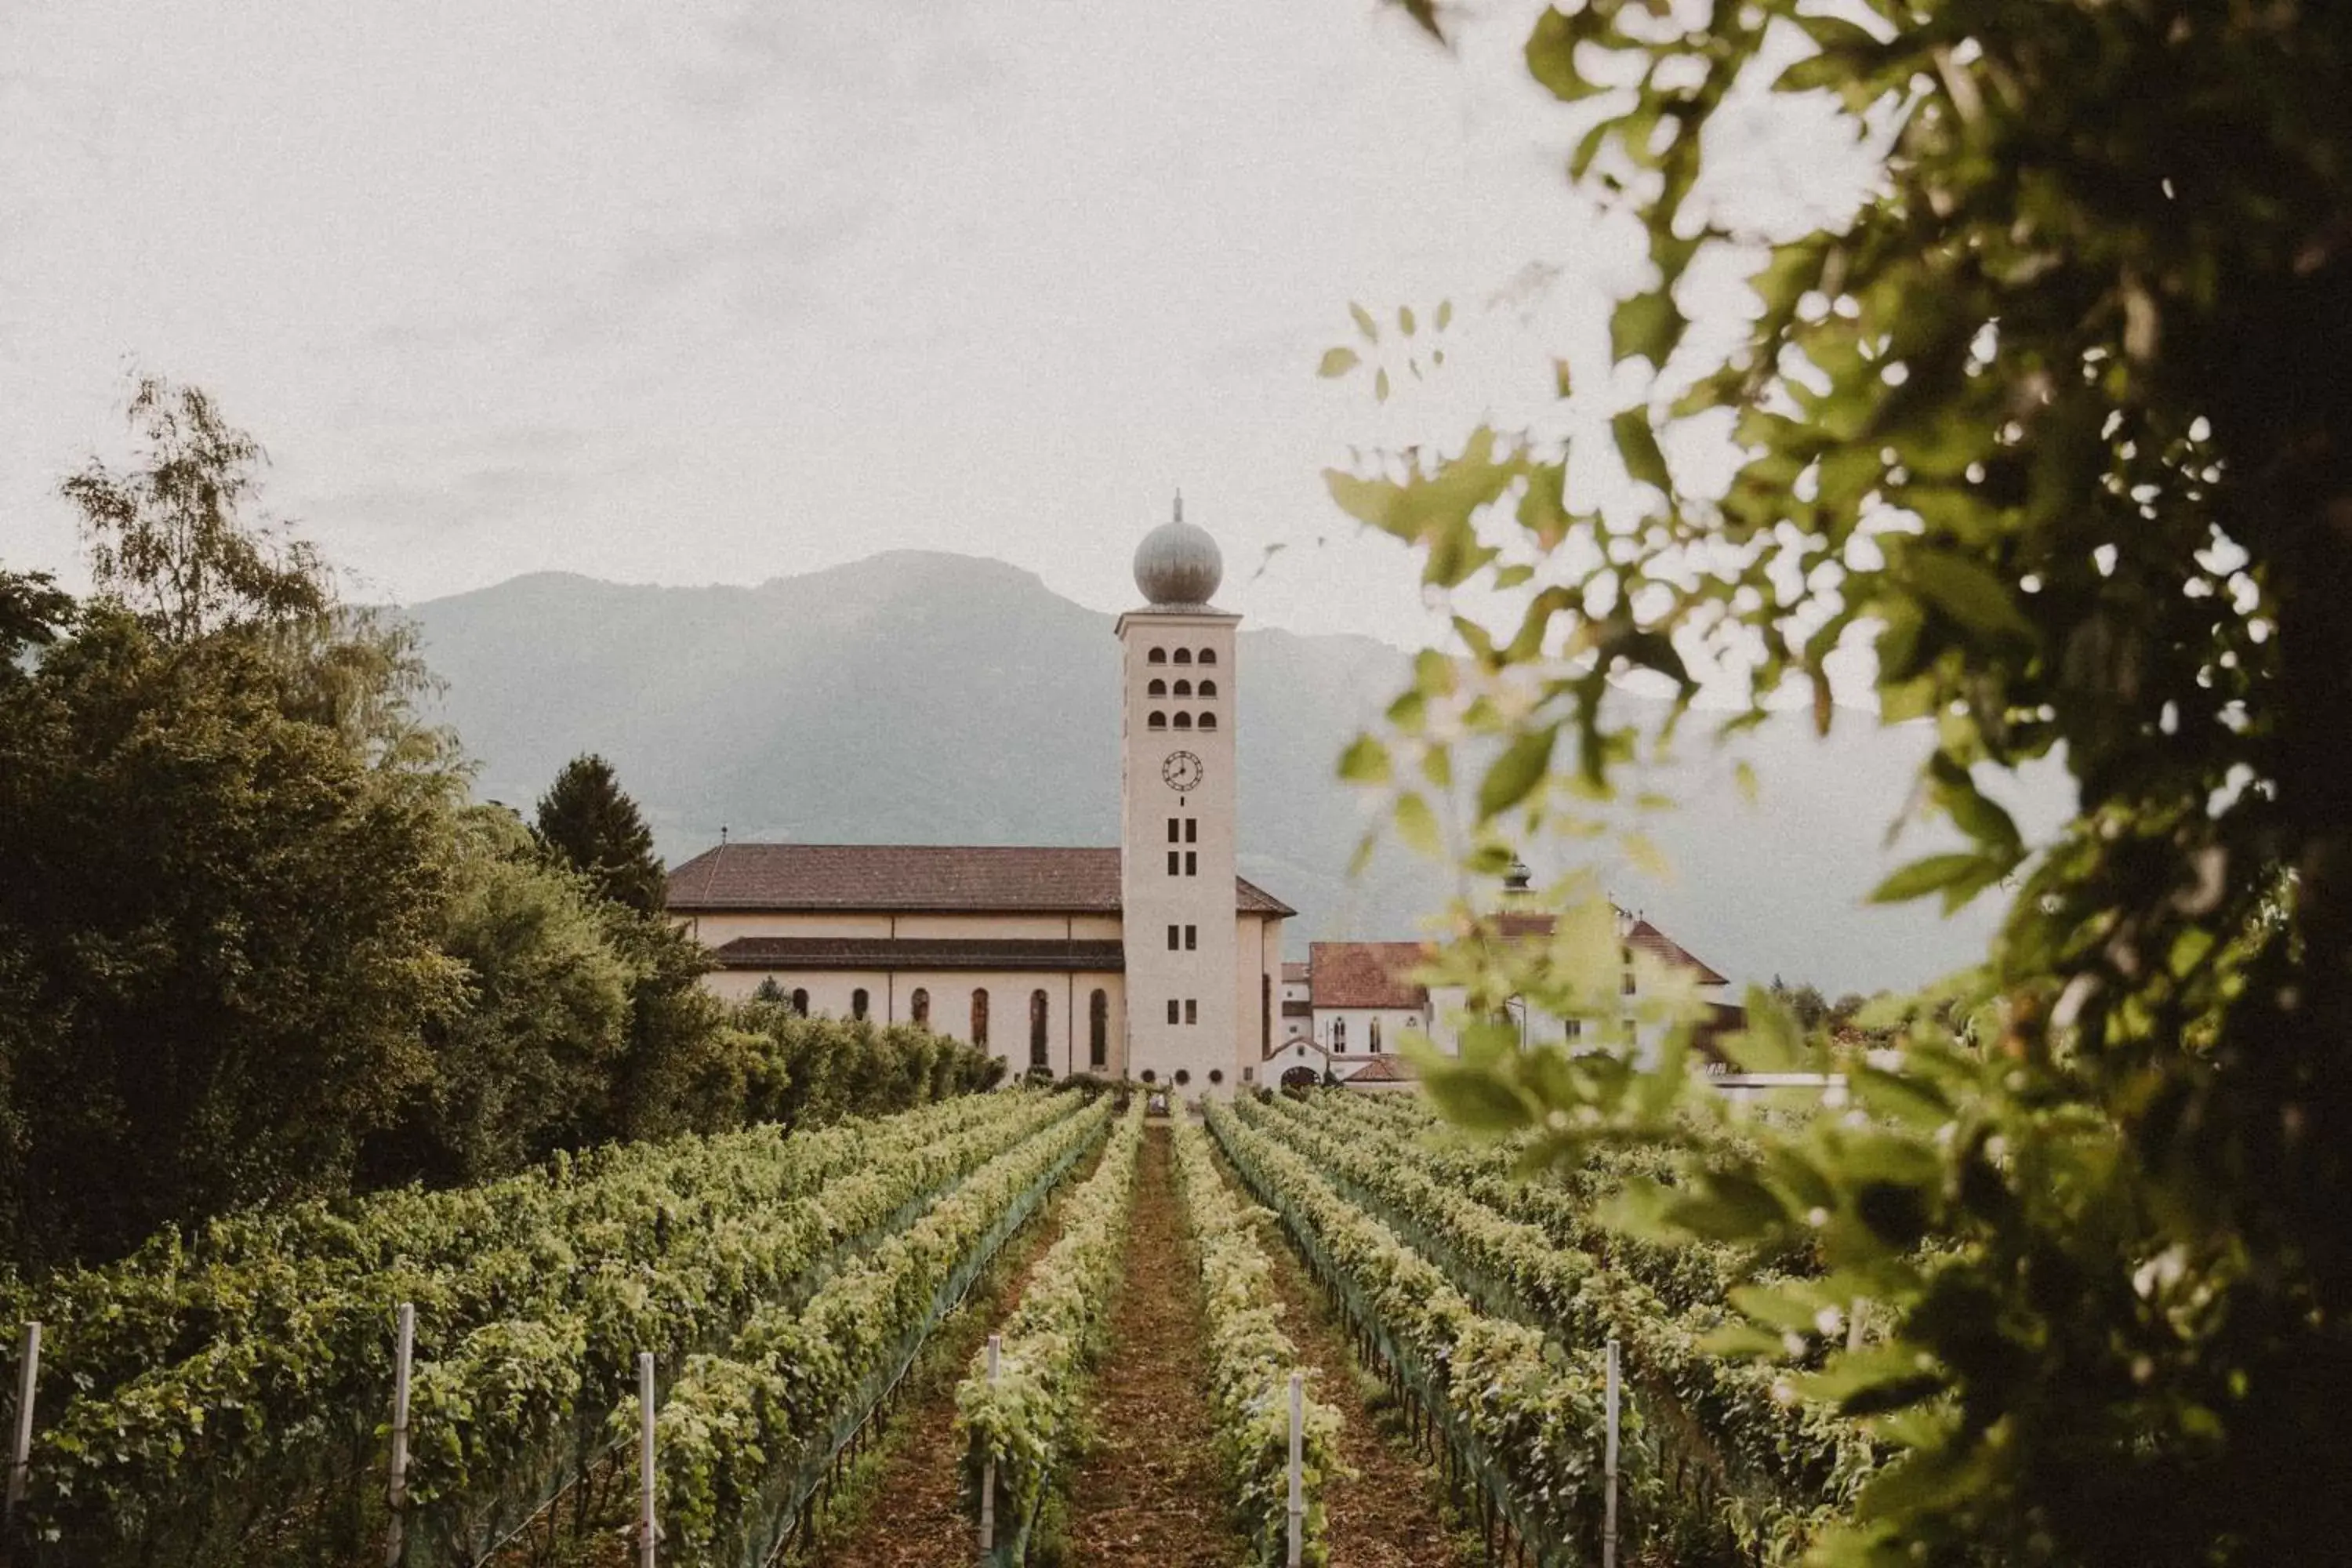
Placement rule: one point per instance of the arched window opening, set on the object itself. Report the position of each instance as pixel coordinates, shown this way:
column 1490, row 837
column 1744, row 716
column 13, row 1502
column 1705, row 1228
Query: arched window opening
column 1183, row 720
column 1158, row 720
column 1099, row 1029
column 1372, row 1037
column 1157, row 656
column 1183, row 689
column 1299, row 1079
column 1157, row 688
column 979, row 1018
column 857, row 1003
column 1338, row 1033
column 800, row 1001
column 1207, row 721
column 1207, row 688
column 1208, row 656
column 1037, row 1030
column 919, row 1007
column 1183, row 656
column 1264, row 1014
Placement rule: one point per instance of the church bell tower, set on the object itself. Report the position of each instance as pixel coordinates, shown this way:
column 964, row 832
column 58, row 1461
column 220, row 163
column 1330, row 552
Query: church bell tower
column 1177, row 838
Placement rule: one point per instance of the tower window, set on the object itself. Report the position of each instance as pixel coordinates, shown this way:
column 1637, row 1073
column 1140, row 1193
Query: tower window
column 979, row 1019
column 1207, row 721
column 1193, row 865
column 919, row 1007
column 1183, row 689
column 1191, row 830
column 857, row 1003
column 1157, row 656
column 1192, row 938
column 1183, row 720
column 1175, row 862
column 799, row 1001
column 1191, row 1010
column 1157, row 688
column 1158, row 720
column 1216, row 1074
column 1208, row 656
column 1182, row 1077
column 1037, row 1030
column 1099, row 1029
column 1173, row 831
column 1183, row 656
column 1173, row 1010
column 1172, row 939
column 1206, row 688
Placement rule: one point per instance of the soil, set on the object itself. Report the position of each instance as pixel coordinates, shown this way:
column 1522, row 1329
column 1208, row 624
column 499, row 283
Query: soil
column 1151, row 1491
column 908, row 1510
column 1392, row 1514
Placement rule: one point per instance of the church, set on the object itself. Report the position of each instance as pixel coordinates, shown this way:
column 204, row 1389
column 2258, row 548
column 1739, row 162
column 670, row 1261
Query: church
column 1151, row 959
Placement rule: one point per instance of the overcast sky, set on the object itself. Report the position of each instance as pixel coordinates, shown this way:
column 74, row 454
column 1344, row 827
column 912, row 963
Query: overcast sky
column 701, row 290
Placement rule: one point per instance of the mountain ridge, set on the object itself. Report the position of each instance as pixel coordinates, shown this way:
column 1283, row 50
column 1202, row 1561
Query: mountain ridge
column 986, row 707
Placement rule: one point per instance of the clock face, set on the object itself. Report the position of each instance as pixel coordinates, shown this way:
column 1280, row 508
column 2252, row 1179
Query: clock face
column 1182, row 770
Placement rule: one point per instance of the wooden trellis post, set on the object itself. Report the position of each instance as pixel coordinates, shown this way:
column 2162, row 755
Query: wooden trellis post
column 1297, row 1465
column 396, row 1493
column 20, row 1446
column 1608, row 1471
column 988, row 1470
column 648, row 1532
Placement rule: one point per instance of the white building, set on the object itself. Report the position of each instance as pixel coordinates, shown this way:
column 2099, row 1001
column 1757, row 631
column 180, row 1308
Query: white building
column 1151, row 959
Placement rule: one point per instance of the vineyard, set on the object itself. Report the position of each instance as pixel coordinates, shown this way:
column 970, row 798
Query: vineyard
column 1318, row 1268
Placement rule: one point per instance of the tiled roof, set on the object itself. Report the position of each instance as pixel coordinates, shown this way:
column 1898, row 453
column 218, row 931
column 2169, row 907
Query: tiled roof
column 910, row 876
column 917, row 952
column 1649, row 939
column 1367, row 973
column 1384, row 1069
column 1294, row 974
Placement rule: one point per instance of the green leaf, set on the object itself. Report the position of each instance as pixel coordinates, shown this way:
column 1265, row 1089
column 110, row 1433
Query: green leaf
column 1924, row 877
column 1477, row 1099
column 1966, row 591
column 1551, row 51
column 1445, row 314
column 1417, row 824
column 1338, row 362
column 1517, row 771
column 1380, row 388
column 1404, row 320
column 1364, row 322
column 1647, row 325
column 1637, row 445
column 1365, row 760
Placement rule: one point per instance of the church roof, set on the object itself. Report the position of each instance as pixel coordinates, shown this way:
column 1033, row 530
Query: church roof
column 1647, row 938
column 929, row 877
column 1366, row 973
column 920, row 953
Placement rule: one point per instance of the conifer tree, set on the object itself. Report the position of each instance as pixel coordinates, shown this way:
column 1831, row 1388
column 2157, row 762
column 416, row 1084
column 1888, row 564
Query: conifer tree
column 586, row 818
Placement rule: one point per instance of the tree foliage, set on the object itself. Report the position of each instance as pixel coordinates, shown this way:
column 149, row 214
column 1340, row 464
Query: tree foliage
column 586, row 818
column 2054, row 424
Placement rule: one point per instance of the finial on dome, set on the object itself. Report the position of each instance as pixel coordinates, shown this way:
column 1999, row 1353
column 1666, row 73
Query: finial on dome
column 1178, row 563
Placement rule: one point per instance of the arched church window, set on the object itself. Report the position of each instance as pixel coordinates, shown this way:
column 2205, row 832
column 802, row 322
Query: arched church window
column 1338, row 1033
column 979, row 1019
column 1157, row 721
column 1264, row 1014
column 1157, row 688
column 1208, row 656
column 800, row 1001
column 1037, row 1029
column 1207, row 688
column 857, row 1003
column 1183, row 656
column 1157, row 656
column 1183, row 720
column 1372, row 1033
column 1099, row 1029
column 919, row 1007
column 1207, row 721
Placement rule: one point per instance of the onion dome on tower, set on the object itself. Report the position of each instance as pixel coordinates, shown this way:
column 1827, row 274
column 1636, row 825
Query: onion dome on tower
column 1178, row 566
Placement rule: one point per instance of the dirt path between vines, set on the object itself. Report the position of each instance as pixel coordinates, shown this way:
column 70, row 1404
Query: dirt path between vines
column 1152, row 1492
column 1390, row 1515
column 911, row 1514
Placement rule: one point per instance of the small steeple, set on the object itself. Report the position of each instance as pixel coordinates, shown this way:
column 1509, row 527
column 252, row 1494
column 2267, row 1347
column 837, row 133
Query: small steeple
column 1180, row 503
column 1516, row 879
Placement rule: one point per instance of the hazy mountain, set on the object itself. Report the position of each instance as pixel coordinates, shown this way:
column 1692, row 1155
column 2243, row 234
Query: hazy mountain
column 919, row 698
